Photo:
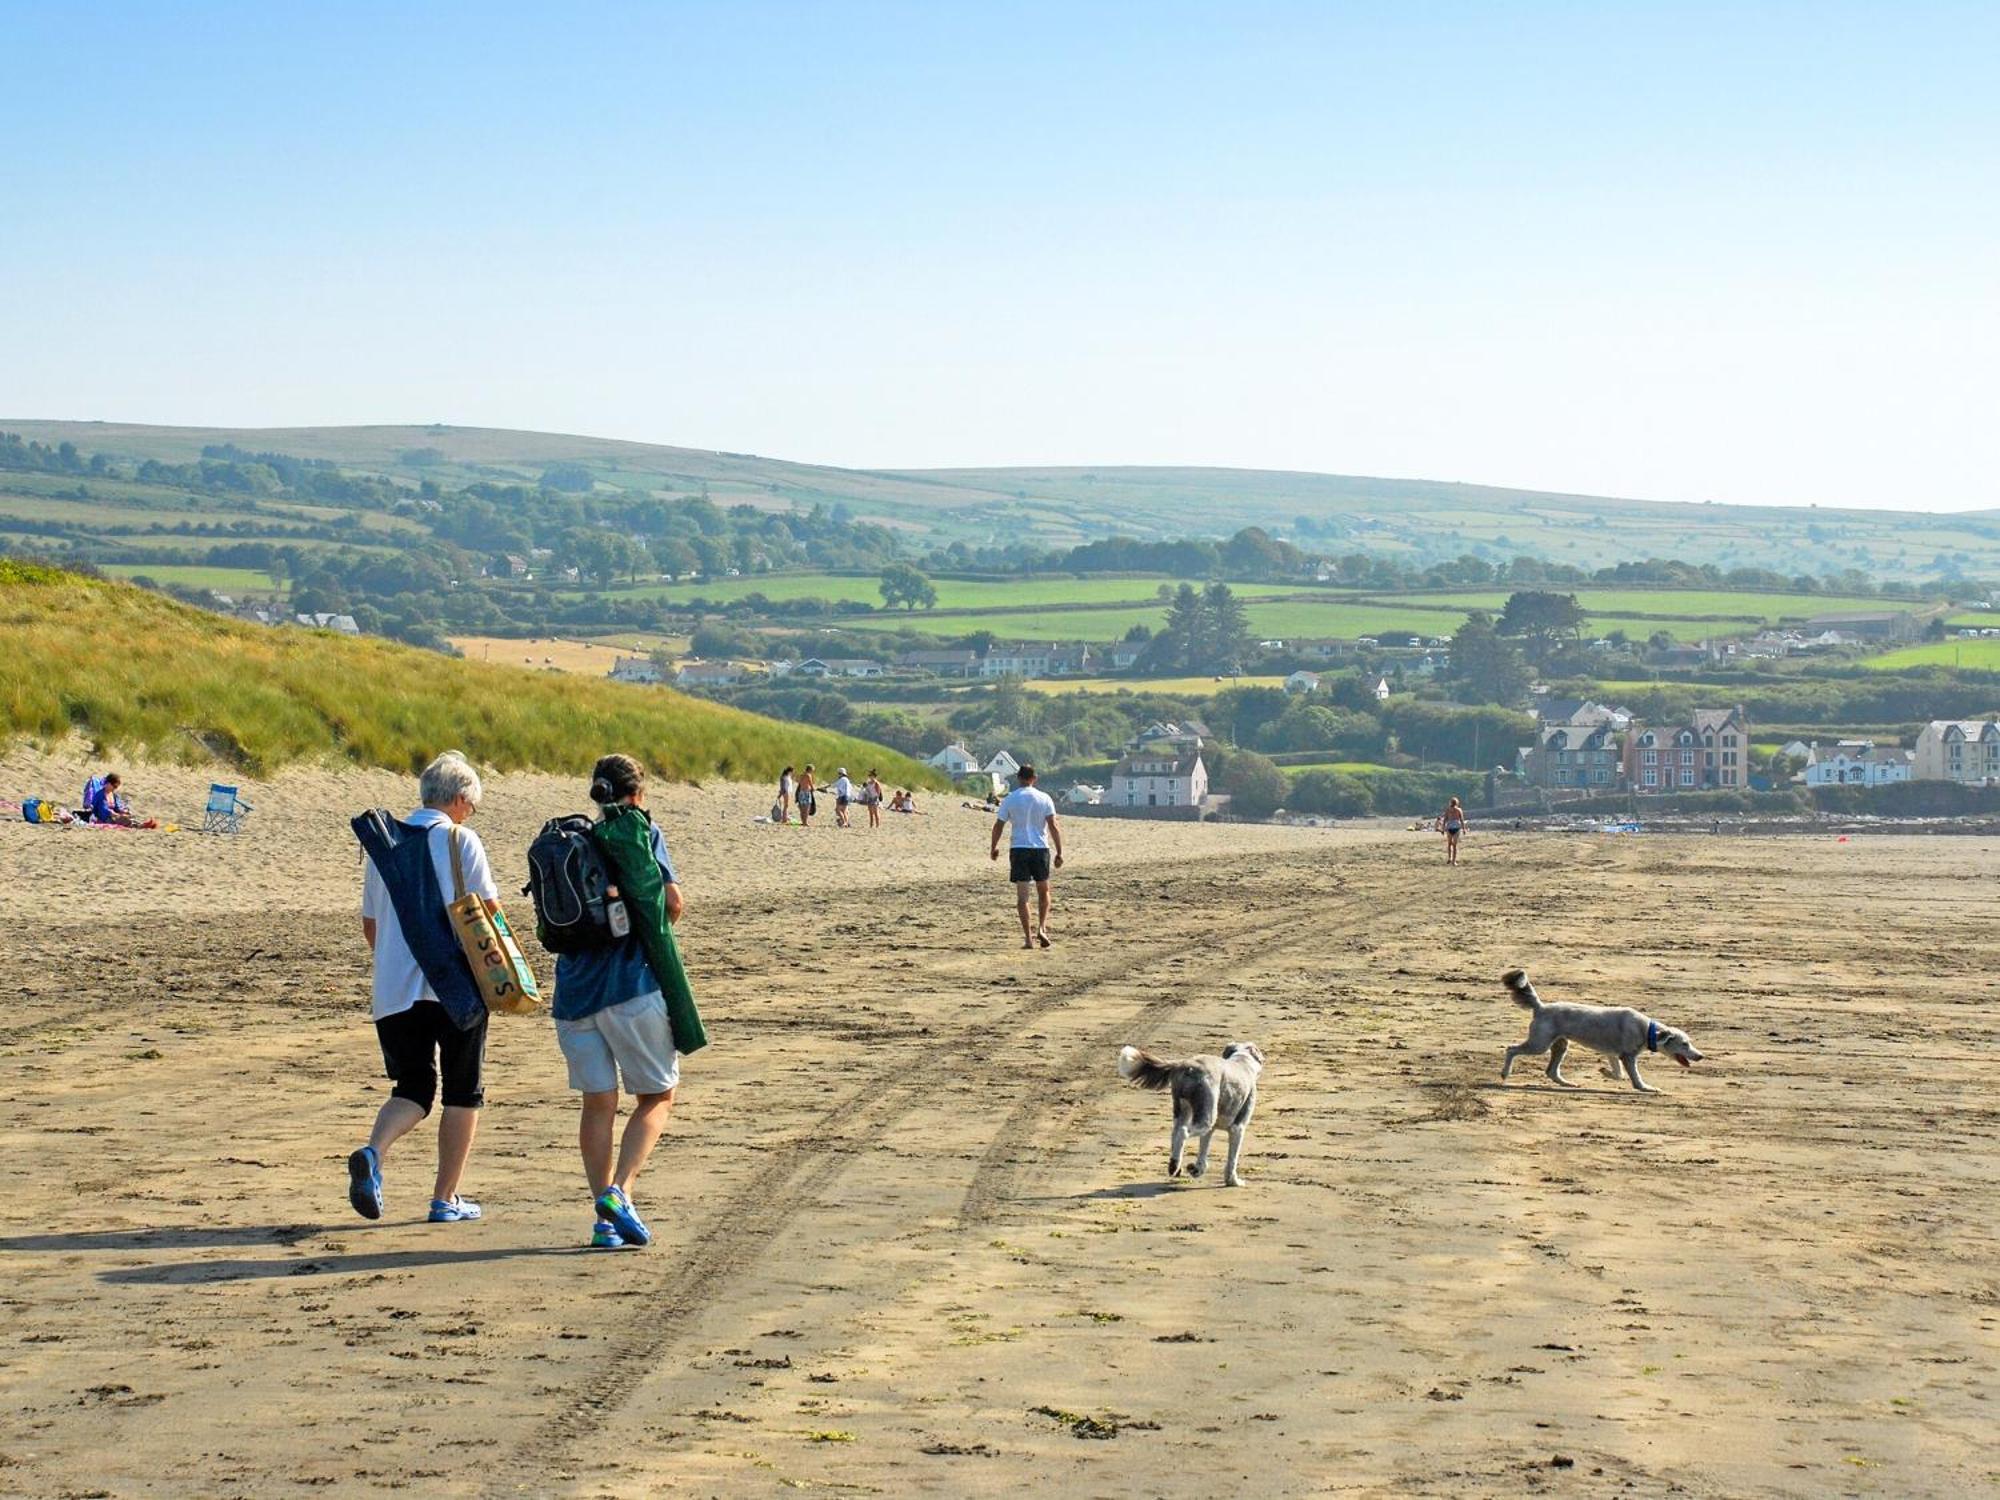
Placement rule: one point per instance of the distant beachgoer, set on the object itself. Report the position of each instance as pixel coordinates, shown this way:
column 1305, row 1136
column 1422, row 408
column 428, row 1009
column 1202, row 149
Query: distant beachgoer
column 843, row 793
column 807, row 797
column 871, row 797
column 1031, row 814
column 1451, row 822
column 611, row 1022
column 784, row 814
column 104, row 802
column 419, row 1037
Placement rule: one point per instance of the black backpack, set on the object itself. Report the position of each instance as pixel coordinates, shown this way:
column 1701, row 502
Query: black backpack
column 567, row 878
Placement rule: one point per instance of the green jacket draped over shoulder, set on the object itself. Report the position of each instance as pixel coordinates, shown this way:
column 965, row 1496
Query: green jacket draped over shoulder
column 625, row 837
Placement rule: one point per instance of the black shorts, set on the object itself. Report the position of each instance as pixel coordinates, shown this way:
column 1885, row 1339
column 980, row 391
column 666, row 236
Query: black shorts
column 1027, row 864
column 421, row 1042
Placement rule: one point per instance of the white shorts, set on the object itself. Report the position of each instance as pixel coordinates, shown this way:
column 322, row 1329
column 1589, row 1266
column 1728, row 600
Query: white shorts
column 632, row 1039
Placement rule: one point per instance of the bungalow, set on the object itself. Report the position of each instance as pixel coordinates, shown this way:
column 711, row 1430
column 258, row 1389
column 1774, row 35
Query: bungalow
column 1083, row 794
column 1124, row 655
column 344, row 624
column 1872, row 624
column 837, row 666
column 1302, row 682
column 1858, row 763
column 954, row 760
column 637, row 669
column 1160, row 777
column 708, row 673
column 960, row 663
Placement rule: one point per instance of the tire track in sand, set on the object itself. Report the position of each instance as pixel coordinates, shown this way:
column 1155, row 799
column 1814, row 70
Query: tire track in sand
column 736, row 1235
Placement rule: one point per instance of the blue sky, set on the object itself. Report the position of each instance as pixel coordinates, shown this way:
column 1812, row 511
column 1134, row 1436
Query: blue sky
column 1733, row 252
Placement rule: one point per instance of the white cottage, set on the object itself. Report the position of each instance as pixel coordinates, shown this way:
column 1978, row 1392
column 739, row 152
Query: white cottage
column 954, row 760
column 1166, row 777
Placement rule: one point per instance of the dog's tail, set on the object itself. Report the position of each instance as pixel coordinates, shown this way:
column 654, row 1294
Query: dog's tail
column 1136, row 1065
column 1523, row 992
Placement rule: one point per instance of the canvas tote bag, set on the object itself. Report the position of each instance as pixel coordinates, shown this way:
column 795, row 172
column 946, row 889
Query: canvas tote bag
column 506, row 983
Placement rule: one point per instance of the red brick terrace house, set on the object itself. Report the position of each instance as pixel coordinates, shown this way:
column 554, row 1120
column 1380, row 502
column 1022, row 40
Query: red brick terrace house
column 1711, row 752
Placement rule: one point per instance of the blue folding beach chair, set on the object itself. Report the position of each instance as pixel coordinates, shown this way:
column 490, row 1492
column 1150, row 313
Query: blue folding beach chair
column 225, row 810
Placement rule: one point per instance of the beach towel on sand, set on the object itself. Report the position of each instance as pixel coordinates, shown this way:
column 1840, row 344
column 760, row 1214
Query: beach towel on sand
column 402, row 854
column 626, row 837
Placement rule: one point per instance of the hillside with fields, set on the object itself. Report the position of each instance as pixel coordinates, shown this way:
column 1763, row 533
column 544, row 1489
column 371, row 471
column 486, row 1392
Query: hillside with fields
column 1416, row 520
column 140, row 674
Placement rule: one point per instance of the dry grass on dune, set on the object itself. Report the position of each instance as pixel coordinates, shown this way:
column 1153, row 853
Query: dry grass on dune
column 131, row 670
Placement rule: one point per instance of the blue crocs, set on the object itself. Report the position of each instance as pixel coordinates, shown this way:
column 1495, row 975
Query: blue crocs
column 612, row 1204
column 455, row 1210
column 364, row 1182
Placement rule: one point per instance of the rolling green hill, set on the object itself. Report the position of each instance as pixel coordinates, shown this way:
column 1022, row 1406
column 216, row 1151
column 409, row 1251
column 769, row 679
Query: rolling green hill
column 1419, row 519
column 138, row 672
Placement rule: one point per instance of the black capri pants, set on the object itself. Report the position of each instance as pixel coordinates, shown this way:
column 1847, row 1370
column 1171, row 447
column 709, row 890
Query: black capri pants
column 420, row 1043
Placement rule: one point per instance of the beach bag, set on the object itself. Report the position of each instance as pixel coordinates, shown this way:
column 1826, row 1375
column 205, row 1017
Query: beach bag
column 626, row 837
column 401, row 854
column 505, row 981
column 568, row 884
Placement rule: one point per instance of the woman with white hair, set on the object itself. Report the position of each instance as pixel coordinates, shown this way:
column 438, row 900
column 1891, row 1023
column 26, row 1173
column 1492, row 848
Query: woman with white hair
column 423, row 1037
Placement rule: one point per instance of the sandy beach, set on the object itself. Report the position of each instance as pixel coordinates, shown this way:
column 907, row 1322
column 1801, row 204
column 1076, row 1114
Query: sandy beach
column 914, row 1235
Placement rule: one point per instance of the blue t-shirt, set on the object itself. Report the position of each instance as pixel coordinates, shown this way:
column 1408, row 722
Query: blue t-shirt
column 597, row 978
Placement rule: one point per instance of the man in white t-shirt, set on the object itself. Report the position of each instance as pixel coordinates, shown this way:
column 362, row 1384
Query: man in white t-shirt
column 843, row 793
column 1031, row 814
column 419, row 1039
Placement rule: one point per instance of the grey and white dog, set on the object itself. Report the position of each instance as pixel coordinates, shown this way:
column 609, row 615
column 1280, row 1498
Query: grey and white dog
column 1620, row 1033
column 1207, row 1091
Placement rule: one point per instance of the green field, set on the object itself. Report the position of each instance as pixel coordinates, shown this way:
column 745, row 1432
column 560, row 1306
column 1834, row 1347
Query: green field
column 953, row 594
column 233, row 581
column 1345, row 767
column 1686, row 603
column 1975, row 656
column 136, row 671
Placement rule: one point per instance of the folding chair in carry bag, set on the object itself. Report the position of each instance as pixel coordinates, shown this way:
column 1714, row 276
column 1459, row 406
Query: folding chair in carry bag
column 225, row 810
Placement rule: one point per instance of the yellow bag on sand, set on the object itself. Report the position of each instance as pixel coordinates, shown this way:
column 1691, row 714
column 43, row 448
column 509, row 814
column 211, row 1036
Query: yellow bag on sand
column 506, row 983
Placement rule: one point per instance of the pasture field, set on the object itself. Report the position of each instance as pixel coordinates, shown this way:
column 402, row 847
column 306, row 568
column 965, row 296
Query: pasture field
column 239, row 582
column 1345, row 767
column 1976, row 655
column 953, row 593
column 1691, row 604
column 1181, row 687
column 587, row 658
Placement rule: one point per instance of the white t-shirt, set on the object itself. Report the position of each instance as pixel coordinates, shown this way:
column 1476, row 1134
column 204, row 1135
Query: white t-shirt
column 399, row 983
column 843, row 790
column 1028, row 810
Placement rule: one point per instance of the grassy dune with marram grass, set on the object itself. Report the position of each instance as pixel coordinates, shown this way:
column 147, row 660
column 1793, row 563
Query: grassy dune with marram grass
column 138, row 673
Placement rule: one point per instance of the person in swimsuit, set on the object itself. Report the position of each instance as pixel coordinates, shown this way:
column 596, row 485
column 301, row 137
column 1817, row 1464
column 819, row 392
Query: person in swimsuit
column 1451, row 822
column 808, row 802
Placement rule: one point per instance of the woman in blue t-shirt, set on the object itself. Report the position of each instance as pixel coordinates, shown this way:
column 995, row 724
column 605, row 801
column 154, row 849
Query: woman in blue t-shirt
column 611, row 1022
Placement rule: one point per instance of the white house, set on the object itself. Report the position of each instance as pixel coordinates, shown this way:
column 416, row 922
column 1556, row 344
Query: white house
column 1169, row 776
column 342, row 623
column 1381, row 690
column 637, row 669
column 1302, row 682
column 1083, row 794
column 709, row 673
column 1002, row 764
column 954, row 760
column 1858, row 763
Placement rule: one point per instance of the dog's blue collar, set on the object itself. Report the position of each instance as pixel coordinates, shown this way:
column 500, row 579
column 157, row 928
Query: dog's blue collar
column 1652, row 1036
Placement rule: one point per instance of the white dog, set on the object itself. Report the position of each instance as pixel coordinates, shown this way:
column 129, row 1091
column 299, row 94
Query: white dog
column 1617, row 1032
column 1207, row 1091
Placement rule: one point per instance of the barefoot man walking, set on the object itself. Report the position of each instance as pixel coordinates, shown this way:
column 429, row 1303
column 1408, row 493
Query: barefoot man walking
column 1031, row 814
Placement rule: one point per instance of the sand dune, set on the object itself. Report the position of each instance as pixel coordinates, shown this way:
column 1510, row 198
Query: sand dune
column 914, row 1234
